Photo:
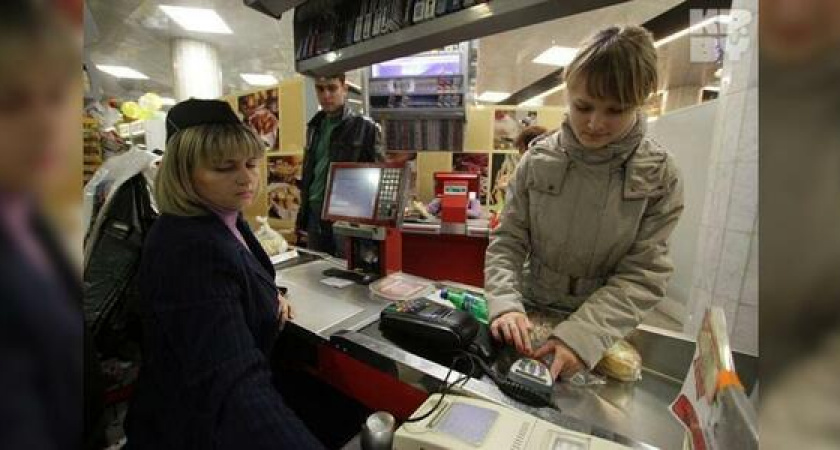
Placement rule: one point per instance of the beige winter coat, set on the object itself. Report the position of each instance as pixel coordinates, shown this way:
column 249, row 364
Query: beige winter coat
column 587, row 230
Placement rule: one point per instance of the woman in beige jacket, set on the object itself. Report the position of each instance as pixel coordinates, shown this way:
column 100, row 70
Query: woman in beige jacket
column 588, row 212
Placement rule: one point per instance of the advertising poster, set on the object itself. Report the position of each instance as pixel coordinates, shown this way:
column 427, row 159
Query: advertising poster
column 284, row 174
column 261, row 112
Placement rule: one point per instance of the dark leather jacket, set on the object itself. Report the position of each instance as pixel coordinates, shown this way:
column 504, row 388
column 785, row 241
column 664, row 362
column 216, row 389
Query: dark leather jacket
column 356, row 138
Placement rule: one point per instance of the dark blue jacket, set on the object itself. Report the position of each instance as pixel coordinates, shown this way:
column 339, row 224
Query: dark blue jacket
column 210, row 319
column 42, row 356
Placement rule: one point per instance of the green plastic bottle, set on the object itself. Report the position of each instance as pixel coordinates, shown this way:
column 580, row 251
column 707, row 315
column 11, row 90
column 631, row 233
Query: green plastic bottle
column 473, row 304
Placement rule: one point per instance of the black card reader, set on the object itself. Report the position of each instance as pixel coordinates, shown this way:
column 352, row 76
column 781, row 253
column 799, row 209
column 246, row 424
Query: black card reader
column 435, row 326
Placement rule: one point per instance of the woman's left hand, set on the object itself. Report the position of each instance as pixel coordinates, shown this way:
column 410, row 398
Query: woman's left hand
column 286, row 312
column 565, row 363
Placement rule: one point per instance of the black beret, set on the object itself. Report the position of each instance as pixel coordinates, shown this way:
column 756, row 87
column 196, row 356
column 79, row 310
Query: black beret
column 192, row 112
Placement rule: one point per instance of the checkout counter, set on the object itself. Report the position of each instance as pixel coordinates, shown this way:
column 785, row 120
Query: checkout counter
column 452, row 245
column 338, row 339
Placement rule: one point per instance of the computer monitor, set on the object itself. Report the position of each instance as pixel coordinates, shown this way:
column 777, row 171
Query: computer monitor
column 363, row 193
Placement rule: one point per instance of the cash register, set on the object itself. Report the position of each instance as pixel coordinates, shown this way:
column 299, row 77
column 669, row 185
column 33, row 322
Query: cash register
column 458, row 422
column 366, row 201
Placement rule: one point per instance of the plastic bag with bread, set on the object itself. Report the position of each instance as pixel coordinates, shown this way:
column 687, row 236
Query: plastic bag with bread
column 621, row 362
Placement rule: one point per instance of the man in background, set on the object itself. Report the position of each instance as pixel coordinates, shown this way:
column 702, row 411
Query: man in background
column 335, row 134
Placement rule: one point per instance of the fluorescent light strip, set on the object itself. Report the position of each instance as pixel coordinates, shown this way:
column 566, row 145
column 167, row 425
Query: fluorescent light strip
column 556, row 56
column 122, row 72
column 493, row 96
column 259, row 79
column 696, row 26
column 201, row 20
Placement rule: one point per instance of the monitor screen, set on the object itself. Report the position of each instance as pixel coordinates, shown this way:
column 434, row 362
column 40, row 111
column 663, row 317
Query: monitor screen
column 354, row 191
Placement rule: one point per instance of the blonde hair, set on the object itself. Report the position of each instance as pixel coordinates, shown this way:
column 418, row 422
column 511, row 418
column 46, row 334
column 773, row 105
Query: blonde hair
column 617, row 63
column 200, row 146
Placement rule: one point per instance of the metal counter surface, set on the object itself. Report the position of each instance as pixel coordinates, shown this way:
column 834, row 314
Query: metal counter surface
column 323, row 309
column 634, row 413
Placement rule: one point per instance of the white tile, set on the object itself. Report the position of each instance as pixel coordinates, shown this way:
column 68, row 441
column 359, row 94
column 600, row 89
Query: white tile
column 749, row 294
column 721, row 191
column 732, row 116
column 752, row 81
column 733, row 265
column 743, row 202
column 749, row 5
column 711, row 178
column 710, row 253
column 748, row 141
column 741, row 44
column 745, row 335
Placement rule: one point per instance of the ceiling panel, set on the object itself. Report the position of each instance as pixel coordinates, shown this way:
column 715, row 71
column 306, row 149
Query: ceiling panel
column 138, row 34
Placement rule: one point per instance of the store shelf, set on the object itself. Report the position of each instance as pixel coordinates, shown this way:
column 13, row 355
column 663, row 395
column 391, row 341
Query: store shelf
column 273, row 8
column 423, row 113
column 474, row 22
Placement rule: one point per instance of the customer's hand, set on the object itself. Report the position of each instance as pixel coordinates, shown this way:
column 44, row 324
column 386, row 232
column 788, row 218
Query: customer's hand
column 285, row 308
column 565, row 363
column 514, row 328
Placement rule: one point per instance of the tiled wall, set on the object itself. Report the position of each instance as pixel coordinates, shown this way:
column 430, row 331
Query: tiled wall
column 727, row 256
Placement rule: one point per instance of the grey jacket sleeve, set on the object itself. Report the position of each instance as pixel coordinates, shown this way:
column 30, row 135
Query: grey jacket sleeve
column 638, row 284
column 509, row 246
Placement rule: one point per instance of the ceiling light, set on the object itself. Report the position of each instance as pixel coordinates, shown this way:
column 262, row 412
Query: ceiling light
column 532, row 102
column 711, row 88
column 556, row 56
column 201, row 20
column 696, row 26
column 122, row 72
column 493, row 96
column 259, row 79
column 167, row 101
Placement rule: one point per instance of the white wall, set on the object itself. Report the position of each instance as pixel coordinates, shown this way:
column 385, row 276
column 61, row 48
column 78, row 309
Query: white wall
column 727, row 262
column 687, row 134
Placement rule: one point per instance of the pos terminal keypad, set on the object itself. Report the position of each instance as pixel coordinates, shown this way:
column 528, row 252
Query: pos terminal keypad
column 389, row 192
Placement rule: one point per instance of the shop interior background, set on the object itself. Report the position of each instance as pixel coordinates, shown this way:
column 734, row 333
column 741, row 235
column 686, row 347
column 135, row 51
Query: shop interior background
column 704, row 113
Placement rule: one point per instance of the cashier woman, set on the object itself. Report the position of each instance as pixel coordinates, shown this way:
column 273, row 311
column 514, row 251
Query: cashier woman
column 210, row 308
column 588, row 213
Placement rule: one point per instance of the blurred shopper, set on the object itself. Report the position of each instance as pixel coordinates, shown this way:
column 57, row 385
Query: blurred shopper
column 799, row 194
column 210, row 309
column 42, row 354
